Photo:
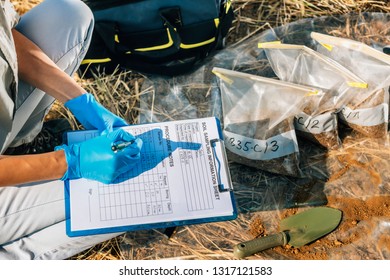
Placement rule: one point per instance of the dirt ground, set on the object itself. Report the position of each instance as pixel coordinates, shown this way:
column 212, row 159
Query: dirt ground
column 354, row 211
column 366, row 209
column 354, row 178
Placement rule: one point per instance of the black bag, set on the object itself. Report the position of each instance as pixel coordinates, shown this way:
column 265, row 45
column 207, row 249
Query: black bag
column 167, row 37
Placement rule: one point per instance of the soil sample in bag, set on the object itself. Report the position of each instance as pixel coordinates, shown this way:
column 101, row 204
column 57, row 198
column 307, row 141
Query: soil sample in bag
column 368, row 112
column 319, row 128
column 274, row 150
column 258, row 117
column 368, row 117
column 299, row 64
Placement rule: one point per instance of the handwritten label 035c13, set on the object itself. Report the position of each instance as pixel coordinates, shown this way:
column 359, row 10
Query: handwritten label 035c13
column 256, row 149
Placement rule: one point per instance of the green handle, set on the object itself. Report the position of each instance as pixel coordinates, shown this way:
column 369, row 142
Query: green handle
column 251, row 247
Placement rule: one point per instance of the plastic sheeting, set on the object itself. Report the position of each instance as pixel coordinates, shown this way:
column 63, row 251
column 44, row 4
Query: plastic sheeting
column 354, row 178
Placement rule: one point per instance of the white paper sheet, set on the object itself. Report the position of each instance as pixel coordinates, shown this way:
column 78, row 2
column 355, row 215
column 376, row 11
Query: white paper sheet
column 176, row 180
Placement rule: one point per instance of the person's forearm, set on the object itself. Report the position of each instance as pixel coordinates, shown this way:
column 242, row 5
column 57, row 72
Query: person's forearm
column 15, row 170
column 37, row 69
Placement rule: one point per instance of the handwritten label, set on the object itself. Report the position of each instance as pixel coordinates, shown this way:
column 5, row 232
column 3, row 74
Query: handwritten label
column 366, row 116
column 273, row 147
column 318, row 124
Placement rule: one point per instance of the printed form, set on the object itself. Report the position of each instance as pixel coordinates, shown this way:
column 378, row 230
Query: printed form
column 179, row 178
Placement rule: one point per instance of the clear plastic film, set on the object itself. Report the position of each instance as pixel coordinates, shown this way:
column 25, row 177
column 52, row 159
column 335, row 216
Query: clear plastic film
column 354, row 179
column 194, row 95
column 302, row 65
column 258, row 118
column 368, row 112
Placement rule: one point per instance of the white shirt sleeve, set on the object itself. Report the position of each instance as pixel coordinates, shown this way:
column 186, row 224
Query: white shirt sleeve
column 11, row 15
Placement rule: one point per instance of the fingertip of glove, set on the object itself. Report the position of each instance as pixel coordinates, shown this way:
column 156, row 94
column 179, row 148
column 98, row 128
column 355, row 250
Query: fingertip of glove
column 125, row 135
column 105, row 132
column 136, row 156
column 139, row 143
column 60, row 147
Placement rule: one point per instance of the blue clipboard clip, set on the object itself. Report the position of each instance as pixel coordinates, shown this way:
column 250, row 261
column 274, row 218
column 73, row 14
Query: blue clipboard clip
column 219, row 156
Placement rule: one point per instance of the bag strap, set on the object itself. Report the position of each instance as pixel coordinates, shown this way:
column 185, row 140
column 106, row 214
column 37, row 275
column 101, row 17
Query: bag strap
column 226, row 20
column 227, row 17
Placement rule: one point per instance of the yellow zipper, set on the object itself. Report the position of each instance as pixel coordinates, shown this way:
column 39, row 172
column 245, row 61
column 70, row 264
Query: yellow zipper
column 100, row 60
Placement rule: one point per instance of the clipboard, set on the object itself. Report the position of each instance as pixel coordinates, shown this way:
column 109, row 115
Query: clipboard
column 183, row 178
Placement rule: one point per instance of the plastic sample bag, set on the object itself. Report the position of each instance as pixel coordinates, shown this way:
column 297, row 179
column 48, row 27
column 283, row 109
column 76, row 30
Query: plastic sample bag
column 302, row 65
column 367, row 113
column 258, row 116
column 365, row 229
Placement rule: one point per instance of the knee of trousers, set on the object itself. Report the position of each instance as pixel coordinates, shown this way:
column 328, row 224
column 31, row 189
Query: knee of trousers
column 57, row 26
column 76, row 17
column 71, row 14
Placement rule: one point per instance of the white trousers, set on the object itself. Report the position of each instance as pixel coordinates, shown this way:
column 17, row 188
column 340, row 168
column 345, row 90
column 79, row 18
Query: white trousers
column 32, row 217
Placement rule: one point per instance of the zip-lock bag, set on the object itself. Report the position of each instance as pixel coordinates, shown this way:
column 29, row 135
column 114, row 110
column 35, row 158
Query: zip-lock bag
column 258, row 115
column 368, row 112
column 301, row 65
column 157, row 37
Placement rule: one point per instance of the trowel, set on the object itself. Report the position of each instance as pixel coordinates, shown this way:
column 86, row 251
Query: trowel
column 296, row 230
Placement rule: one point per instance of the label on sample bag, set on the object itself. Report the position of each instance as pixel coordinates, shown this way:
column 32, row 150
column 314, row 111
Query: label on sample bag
column 366, row 116
column 317, row 124
column 273, row 147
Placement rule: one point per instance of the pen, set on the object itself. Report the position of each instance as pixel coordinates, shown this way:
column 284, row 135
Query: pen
column 121, row 146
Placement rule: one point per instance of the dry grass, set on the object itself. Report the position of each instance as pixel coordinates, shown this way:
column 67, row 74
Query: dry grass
column 254, row 16
column 251, row 17
column 23, row 6
column 121, row 93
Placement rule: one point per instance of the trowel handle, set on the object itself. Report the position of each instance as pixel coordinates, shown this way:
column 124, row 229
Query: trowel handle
column 251, row 247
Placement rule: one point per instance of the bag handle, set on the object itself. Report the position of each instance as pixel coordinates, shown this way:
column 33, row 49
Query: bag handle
column 171, row 18
column 108, row 31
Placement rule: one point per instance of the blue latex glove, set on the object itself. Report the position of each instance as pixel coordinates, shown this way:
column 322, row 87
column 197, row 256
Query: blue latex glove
column 94, row 159
column 92, row 115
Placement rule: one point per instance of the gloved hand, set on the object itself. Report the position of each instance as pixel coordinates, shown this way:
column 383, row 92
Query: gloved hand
column 94, row 159
column 92, row 115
